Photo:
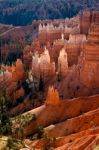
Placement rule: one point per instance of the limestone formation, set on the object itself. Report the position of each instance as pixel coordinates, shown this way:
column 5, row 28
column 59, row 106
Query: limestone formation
column 90, row 69
column 73, row 47
column 41, row 65
column 49, row 114
column 52, row 97
column 10, row 75
column 51, row 32
column 19, row 70
column 88, row 17
column 62, row 62
column 7, row 85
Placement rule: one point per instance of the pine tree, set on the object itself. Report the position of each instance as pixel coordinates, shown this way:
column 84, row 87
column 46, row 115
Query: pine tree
column 5, row 124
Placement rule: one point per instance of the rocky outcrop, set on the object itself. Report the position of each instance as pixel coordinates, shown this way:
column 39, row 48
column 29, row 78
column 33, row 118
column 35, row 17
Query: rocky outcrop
column 10, row 76
column 42, row 66
column 62, row 63
column 73, row 47
column 74, row 125
column 18, row 71
column 49, row 114
column 69, row 62
column 88, row 139
column 52, row 97
column 86, row 142
column 86, row 19
column 76, row 132
column 90, row 66
column 72, row 137
column 51, row 30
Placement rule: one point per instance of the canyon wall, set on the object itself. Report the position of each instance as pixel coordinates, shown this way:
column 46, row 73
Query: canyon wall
column 86, row 19
column 90, row 67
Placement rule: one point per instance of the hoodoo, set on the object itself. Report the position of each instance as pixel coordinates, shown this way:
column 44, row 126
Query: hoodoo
column 49, row 84
column 90, row 70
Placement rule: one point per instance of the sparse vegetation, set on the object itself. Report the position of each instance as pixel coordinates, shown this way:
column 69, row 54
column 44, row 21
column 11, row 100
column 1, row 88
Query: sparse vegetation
column 5, row 123
column 12, row 144
column 20, row 122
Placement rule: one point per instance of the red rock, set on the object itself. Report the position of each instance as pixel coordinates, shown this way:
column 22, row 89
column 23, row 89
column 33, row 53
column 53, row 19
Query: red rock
column 86, row 19
column 90, row 66
column 52, row 97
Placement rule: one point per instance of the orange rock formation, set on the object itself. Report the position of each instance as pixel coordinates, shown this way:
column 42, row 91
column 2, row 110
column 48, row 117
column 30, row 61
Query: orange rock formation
column 90, row 67
column 86, row 19
column 10, row 76
column 52, row 97
column 73, row 126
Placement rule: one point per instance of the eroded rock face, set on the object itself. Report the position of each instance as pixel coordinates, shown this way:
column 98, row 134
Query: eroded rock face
column 51, row 32
column 41, row 65
column 74, row 46
column 59, row 34
column 90, row 68
column 88, row 139
column 85, row 142
column 62, row 62
column 10, row 76
column 19, row 68
column 81, row 53
column 86, row 19
column 52, row 97
column 55, row 111
column 6, row 83
column 74, row 122
column 73, row 126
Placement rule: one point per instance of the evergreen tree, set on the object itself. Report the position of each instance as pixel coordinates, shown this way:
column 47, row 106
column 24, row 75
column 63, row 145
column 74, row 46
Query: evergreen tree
column 5, row 123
